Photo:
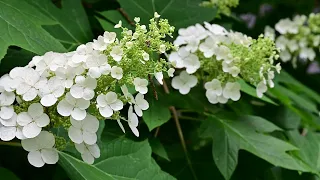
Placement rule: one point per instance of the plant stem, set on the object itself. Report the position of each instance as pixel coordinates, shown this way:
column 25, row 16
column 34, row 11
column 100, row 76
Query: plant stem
column 157, row 131
column 15, row 144
column 177, row 122
column 189, row 118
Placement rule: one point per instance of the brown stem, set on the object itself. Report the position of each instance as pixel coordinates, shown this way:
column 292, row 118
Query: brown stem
column 157, row 132
column 182, row 140
column 125, row 15
column 16, row 144
column 153, row 87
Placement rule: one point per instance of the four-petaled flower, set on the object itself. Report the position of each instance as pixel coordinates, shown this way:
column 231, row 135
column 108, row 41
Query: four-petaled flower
column 84, row 88
column 141, row 85
column 41, row 149
column 88, row 152
column 33, row 121
column 109, row 103
column 74, row 107
column 84, row 130
column 184, row 82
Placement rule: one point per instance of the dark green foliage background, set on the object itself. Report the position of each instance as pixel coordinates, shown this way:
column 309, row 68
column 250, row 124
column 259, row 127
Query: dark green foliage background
column 289, row 110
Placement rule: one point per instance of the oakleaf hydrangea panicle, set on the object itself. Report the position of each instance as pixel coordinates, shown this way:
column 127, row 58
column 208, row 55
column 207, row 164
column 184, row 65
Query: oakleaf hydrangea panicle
column 76, row 90
column 219, row 58
column 298, row 38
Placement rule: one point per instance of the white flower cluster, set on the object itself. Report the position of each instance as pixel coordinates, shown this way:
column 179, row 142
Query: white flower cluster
column 75, row 89
column 219, row 58
column 297, row 38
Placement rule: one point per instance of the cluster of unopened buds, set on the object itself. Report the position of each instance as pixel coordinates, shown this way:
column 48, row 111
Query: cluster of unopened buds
column 299, row 37
column 219, row 58
column 222, row 6
column 78, row 89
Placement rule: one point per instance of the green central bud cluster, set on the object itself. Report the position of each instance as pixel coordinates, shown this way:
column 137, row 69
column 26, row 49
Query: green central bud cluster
column 223, row 6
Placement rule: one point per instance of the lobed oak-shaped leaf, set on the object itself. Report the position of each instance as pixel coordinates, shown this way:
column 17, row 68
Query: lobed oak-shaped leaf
column 247, row 133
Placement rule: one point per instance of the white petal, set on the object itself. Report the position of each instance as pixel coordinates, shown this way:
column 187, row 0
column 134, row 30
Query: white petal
column 89, row 138
column 88, row 94
column 159, row 77
column 35, row 159
column 81, row 148
column 31, row 130
column 35, row 110
column 94, row 150
column 101, row 100
column 6, row 112
column 30, row 95
column 121, row 126
column 78, row 114
column 24, row 119
column 43, row 120
column 50, row 156
column 30, row 144
column 48, row 100
column 45, row 140
column 90, row 83
column 77, row 123
column 75, row 135
column 106, row 111
column 117, row 106
column 19, row 133
column 176, row 82
column 7, row 98
column 94, row 72
column 77, row 91
column 111, row 97
column 82, row 104
column 134, row 130
column 91, row 124
column 9, row 122
column 185, row 89
column 142, row 90
column 64, row 108
column 105, row 70
column 23, row 88
column 7, row 133
column 59, row 91
column 87, row 157
column 138, row 110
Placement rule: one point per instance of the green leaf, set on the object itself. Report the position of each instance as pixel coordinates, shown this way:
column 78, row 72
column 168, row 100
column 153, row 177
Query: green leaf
column 309, row 148
column 246, row 88
column 297, row 104
column 181, row 13
column 15, row 58
column 158, row 112
column 287, row 79
column 158, row 148
column 300, row 101
column 79, row 170
column 7, row 174
column 71, row 26
column 231, row 135
column 285, row 118
column 121, row 159
column 20, row 25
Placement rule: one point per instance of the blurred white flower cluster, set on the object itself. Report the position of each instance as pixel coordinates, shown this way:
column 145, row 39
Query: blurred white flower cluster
column 299, row 37
column 219, row 58
column 77, row 89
